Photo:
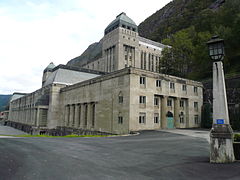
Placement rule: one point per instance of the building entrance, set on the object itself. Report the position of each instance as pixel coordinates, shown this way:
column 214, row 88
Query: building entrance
column 170, row 120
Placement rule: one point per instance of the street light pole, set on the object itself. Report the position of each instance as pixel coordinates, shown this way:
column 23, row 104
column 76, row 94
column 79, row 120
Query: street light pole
column 221, row 134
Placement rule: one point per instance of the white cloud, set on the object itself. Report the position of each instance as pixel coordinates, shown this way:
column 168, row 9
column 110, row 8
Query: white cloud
column 34, row 33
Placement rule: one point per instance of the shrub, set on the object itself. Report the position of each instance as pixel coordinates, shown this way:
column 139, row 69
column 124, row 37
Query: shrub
column 237, row 137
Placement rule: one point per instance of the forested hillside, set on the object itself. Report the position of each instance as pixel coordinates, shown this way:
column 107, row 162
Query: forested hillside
column 187, row 25
column 4, row 99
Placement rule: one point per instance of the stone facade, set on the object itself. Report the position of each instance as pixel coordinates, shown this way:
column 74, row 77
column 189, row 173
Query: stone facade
column 118, row 93
column 123, row 47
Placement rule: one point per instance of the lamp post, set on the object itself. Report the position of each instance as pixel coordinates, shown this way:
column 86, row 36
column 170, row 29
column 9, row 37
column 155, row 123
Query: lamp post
column 221, row 134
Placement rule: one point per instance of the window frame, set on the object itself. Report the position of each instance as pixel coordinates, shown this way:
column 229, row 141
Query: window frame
column 196, row 119
column 142, row 80
column 181, row 103
column 172, row 85
column 156, row 101
column 156, row 118
column 184, row 87
column 120, row 119
column 195, row 105
column 120, row 99
column 169, row 102
column 142, row 99
column 158, row 83
column 195, row 89
column 142, row 118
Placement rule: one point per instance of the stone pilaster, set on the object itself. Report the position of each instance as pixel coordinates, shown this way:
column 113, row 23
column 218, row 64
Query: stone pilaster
column 65, row 123
column 38, row 117
column 82, row 116
column 73, row 114
column 70, row 116
column 176, row 112
column 35, row 117
column 187, row 113
column 164, row 112
column 89, row 116
column 76, row 120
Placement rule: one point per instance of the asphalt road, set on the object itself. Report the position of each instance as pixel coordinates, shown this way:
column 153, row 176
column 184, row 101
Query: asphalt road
column 150, row 155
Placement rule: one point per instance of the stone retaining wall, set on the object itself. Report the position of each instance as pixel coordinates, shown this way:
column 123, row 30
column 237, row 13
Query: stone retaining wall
column 59, row 131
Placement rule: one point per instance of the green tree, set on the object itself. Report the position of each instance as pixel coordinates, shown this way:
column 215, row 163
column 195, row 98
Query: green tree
column 206, row 121
column 179, row 56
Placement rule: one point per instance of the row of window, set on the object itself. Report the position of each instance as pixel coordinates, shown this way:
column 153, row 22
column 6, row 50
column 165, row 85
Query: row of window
column 142, row 100
column 171, row 84
column 142, row 118
column 153, row 62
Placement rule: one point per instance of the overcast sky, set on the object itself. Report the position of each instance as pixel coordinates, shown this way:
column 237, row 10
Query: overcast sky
column 34, row 33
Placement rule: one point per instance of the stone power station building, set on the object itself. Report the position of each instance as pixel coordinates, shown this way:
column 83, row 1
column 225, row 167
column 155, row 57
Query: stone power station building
column 116, row 89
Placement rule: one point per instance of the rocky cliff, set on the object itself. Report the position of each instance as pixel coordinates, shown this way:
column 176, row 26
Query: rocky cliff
column 176, row 15
column 93, row 52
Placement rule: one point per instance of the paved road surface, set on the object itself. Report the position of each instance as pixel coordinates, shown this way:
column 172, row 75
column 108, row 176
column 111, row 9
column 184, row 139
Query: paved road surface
column 150, row 155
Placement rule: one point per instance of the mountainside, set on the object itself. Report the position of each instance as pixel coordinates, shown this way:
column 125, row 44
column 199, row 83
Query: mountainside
column 187, row 25
column 93, row 52
column 4, row 100
column 176, row 15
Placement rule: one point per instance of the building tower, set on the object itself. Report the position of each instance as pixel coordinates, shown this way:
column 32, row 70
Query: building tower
column 120, row 44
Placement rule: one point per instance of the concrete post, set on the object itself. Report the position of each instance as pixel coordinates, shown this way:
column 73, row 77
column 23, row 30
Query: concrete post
column 176, row 112
column 164, row 112
column 221, row 135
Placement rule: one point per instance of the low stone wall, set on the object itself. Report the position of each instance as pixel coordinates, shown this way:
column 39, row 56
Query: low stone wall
column 59, row 131
column 232, row 88
column 233, row 98
column 63, row 131
column 23, row 127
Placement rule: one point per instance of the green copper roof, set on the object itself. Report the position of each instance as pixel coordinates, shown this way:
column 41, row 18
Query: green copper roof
column 49, row 67
column 122, row 20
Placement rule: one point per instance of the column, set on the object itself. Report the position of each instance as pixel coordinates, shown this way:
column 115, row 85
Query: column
column 89, row 119
column 176, row 112
column 164, row 112
column 110, row 60
column 71, row 116
column 65, row 116
column 38, row 117
column 82, row 116
column 133, row 58
column 76, row 120
column 93, row 115
column 79, row 115
column 34, row 117
column 187, row 114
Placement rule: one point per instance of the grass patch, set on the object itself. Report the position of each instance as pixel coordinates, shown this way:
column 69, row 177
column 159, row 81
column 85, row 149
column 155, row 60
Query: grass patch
column 67, row 136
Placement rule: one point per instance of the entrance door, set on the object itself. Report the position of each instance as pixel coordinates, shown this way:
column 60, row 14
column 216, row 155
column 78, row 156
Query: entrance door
column 170, row 120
